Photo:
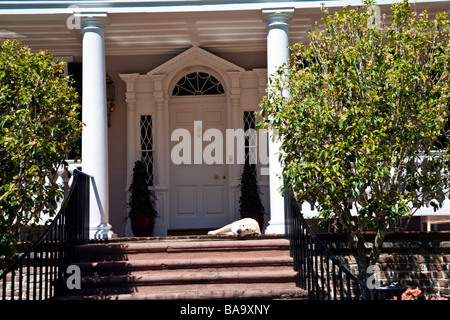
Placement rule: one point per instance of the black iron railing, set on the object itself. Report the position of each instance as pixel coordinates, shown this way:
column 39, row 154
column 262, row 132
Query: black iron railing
column 319, row 272
column 38, row 273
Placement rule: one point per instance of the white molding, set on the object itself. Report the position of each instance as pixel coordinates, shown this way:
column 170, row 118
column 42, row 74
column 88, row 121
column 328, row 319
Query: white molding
column 154, row 6
column 195, row 55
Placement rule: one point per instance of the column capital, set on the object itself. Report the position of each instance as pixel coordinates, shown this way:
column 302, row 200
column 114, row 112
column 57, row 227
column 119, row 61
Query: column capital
column 96, row 20
column 235, row 77
column 262, row 76
column 277, row 17
column 129, row 79
column 158, row 79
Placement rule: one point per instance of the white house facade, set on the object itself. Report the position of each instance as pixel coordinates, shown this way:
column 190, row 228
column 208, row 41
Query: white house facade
column 184, row 73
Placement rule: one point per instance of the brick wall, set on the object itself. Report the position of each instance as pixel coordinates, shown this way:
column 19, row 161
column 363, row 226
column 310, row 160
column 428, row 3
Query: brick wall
column 412, row 258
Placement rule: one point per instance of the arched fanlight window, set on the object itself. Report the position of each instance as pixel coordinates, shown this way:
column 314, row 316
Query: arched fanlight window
column 197, row 84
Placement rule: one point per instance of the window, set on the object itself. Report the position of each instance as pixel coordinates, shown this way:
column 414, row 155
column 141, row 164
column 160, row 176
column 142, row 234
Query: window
column 146, row 145
column 250, row 138
column 197, row 84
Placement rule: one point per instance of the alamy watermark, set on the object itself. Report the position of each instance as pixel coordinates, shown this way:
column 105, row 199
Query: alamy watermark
column 373, row 281
column 233, row 148
column 74, row 20
column 374, row 21
column 74, row 279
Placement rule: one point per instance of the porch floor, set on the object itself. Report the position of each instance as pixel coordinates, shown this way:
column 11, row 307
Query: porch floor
column 187, row 235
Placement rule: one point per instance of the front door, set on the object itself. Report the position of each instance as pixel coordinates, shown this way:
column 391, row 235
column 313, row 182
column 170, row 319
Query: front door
column 199, row 188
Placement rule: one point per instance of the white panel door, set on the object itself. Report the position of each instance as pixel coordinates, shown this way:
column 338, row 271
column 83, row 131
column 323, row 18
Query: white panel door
column 199, row 189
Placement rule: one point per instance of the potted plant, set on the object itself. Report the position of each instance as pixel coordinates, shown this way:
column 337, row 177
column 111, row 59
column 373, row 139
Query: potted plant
column 250, row 205
column 141, row 204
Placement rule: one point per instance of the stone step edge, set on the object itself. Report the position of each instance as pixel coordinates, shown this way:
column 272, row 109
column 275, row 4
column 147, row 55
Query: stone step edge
column 281, row 276
column 185, row 263
column 137, row 247
column 186, row 238
column 273, row 293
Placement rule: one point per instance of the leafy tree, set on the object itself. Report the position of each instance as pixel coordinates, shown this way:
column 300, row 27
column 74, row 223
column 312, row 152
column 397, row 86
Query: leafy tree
column 38, row 126
column 366, row 107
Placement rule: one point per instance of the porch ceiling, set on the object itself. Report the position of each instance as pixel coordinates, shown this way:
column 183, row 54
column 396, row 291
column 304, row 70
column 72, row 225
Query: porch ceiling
column 154, row 33
column 148, row 33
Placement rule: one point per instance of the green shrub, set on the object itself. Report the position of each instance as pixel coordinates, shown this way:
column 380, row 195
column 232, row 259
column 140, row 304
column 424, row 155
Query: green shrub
column 367, row 106
column 39, row 124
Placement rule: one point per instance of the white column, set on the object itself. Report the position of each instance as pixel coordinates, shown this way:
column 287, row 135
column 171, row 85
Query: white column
column 95, row 130
column 277, row 54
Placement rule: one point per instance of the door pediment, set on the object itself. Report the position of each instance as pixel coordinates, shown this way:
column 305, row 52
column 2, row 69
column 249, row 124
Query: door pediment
column 194, row 57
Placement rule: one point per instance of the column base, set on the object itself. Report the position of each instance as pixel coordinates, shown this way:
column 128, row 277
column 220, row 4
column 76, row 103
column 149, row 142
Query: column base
column 275, row 227
column 102, row 231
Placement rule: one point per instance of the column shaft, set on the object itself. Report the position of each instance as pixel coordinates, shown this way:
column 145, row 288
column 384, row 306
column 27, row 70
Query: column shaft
column 95, row 130
column 277, row 55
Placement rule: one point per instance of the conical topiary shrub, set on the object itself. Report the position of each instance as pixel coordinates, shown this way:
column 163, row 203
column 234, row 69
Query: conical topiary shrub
column 142, row 202
column 250, row 205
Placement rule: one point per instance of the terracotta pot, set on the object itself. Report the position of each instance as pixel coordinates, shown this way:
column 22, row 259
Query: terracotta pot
column 142, row 226
column 258, row 216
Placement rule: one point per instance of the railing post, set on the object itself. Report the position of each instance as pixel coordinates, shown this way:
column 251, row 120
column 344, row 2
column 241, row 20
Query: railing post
column 86, row 208
column 287, row 215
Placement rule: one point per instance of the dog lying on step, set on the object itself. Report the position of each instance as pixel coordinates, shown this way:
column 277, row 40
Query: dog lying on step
column 240, row 228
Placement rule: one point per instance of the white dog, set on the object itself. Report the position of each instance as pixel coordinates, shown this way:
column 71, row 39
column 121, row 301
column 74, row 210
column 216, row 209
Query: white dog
column 240, row 228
